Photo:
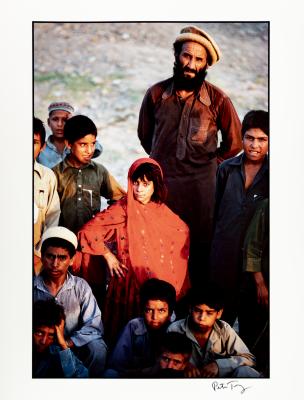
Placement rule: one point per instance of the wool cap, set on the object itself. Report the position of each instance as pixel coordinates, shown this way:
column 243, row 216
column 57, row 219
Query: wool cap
column 61, row 105
column 62, row 233
column 192, row 33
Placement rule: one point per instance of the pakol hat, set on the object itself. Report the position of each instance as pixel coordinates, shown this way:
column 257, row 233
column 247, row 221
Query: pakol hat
column 61, row 105
column 192, row 33
column 62, row 233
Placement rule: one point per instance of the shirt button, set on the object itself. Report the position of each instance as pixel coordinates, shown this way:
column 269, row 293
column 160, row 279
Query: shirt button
column 79, row 198
column 79, row 185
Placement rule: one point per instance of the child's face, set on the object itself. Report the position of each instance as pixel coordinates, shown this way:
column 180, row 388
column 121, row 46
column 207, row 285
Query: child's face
column 177, row 361
column 43, row 337
column 143, row 190
column 255, row 143
column 156, row 313
column 56, row 261
column 37, row 145
column 56, row 122
column 204, row 317
column 82, row 150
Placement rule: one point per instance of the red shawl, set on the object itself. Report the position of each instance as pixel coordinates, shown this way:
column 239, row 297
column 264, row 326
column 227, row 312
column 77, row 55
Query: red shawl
column 157, row 240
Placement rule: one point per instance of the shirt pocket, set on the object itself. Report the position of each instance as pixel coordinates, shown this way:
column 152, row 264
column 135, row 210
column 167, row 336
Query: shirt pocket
column 41, row 198
column 199, row 131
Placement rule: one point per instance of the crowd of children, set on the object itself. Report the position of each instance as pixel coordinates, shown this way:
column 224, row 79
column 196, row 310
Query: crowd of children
column 111, row 292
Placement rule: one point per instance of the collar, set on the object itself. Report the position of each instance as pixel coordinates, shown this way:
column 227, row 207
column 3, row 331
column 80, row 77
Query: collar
column 54, row 148
column 68, row 283
column 239, row 160
column 203, row 95
column 65, row 164
column 140, row 327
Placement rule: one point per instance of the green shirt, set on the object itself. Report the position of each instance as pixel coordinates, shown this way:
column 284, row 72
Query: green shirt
column 80, row 189
column 256, row 244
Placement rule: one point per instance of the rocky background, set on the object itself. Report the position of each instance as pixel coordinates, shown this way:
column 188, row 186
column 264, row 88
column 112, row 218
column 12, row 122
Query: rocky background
column 104, row 70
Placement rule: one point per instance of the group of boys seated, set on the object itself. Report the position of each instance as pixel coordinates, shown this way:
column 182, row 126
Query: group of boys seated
column 68, row 330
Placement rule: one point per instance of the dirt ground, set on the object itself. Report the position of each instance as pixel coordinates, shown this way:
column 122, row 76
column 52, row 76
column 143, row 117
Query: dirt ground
column 104, row 69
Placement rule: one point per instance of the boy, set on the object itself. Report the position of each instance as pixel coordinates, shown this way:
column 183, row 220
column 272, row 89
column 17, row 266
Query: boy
column 52, row 358
column 81, row 181
column 254, row 297
column 242, row 182
column 176, row 350
column 46, row 200
column 138, row 346
column 217, row 350
column 56, row 150
column 83, row 326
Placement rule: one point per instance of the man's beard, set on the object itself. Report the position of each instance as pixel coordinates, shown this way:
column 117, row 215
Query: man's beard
column 188, row 84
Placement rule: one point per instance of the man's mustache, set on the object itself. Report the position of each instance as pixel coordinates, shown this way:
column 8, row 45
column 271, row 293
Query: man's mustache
column 187, row 69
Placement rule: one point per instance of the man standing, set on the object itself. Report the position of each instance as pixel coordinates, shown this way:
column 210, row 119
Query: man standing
column 178, row 125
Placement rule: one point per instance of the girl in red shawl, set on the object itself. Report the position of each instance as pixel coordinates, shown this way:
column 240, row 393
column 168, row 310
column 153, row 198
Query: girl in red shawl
column 151, row 242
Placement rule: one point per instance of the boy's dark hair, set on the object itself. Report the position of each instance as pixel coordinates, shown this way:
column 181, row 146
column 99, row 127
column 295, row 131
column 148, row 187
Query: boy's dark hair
column 39, row 129
column 77, row 127
column 157, row 289
column 175, row 342
column 58, row 242
column 210, row 295
column 256, row 119
column 152, row 173
column 47, row 313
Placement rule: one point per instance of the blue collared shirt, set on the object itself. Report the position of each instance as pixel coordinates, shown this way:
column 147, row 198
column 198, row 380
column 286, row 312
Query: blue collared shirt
column 83, row 317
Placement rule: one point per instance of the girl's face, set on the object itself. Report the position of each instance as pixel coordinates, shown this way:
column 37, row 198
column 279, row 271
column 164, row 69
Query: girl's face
column 143, row 190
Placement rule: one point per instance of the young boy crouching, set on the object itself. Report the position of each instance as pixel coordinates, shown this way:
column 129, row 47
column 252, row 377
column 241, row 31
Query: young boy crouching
column 217, row 350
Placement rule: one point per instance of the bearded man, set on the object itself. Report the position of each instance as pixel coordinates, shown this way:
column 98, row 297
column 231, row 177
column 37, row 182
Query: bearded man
column 178, row 126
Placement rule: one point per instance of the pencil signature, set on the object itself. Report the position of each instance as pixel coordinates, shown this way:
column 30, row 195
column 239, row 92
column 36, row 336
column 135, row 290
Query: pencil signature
column 232, row 385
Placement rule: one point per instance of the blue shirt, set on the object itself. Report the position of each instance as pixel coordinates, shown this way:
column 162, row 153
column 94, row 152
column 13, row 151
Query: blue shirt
column 50, row 156
column 133, row 348
column 58, row 363
column 83, row 317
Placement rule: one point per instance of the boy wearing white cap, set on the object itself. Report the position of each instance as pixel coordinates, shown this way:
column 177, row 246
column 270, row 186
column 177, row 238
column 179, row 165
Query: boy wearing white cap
column 55, row 150
column 83, row 326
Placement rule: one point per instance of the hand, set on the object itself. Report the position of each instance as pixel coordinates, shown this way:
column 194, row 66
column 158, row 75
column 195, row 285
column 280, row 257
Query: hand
column 210, row 370
column 115, row 267
column 261, row 289
column 191, row 371
column 60, row 335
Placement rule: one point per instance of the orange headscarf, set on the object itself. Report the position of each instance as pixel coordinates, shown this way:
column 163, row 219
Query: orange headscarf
column 158, row 238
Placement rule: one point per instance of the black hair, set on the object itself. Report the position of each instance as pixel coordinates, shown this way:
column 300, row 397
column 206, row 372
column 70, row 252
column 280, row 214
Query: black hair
column 47, row 313
column 152, row 173
column 58, row 242
column 175, row 342
column 210, row 295
column 157, row 289
column 256, row 119
column 77, row 127
column 39, row 129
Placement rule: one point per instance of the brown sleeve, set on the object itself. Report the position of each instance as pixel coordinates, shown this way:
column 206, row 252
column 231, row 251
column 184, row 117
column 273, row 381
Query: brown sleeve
column 230, row 127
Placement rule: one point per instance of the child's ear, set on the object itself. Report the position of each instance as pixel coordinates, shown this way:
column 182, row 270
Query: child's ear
column 219, row 313
column 48, row 121
column 72, row 260
column 67, row 144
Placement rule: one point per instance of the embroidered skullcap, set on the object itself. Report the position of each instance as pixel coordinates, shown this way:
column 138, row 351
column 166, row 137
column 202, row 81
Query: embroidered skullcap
column 192, row 33
column 62, row 233
column 61, row 105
